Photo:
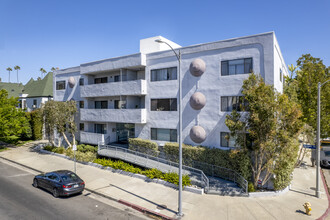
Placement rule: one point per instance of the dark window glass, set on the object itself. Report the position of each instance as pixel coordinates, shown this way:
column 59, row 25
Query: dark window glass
column 162, row 134
column 101, row 104
column 229, row 103
column 60, row 85
column 69, row 177
column 226, row 140
column 164, row 74
column 35, row 103
column 81, row 81
column 101, row 80
column 163, row 105
column 81, row 126
column 224, row 68
column 81, row 104
column 100, row 128
column 117, row 78
column 239, row 66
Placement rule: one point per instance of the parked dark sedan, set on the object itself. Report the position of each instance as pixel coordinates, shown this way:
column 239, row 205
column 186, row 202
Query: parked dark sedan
column 60, row 183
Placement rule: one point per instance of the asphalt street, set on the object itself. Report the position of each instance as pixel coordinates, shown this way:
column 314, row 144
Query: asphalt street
column 20, row 200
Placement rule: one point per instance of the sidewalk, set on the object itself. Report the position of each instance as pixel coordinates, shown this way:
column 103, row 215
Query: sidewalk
column 152, row 195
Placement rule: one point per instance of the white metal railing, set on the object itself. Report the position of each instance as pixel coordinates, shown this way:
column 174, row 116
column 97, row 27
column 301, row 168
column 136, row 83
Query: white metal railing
column 197, row 176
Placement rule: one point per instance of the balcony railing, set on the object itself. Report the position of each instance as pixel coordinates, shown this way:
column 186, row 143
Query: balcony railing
column 114, row 115
column 135, row 87
column 90, row 138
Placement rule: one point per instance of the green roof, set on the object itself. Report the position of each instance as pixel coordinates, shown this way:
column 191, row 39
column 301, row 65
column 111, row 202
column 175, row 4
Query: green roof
column 13, row 89
column 40, row 88
column 34, row 88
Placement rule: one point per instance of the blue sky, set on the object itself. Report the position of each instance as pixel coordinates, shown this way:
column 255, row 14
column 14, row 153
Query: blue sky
column 66, row 33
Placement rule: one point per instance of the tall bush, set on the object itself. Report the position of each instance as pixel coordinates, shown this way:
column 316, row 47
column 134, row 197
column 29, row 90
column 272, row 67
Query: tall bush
column 143, row 146
column 36, row 123
column 231, row 159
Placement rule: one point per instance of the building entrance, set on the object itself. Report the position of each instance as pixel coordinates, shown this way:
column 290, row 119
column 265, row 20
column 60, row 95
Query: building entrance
column 125, row 131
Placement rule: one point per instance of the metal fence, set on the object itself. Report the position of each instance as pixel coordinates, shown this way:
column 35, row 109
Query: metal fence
column 197, row 176
column 221, row 172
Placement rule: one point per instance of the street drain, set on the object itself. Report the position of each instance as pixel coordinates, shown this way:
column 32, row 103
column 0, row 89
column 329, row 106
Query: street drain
column 161, row 207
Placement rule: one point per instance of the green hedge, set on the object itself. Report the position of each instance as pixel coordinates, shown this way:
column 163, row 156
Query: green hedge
column 143, row 146
column 86, row 148
column 237, row 160
column 35, row 119
column 151, row 173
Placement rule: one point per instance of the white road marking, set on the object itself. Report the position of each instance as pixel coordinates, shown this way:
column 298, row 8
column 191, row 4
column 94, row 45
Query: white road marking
column 18, row 175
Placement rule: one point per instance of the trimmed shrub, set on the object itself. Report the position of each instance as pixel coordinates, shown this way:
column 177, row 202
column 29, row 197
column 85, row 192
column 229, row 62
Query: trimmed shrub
column 237, row 160
column 150, row 173
column 86, row 148
column 143, row 146
column 80, row 156
column 35, row 119
column 251, row 187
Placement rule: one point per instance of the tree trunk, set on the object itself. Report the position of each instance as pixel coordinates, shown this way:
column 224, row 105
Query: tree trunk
column 66, row 139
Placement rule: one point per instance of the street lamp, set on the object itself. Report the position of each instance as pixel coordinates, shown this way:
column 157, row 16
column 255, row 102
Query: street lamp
column 178, row 56
column 317, row 190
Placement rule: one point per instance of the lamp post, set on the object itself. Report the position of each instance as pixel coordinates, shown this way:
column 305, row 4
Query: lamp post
column 317, row 190
column 178, row 56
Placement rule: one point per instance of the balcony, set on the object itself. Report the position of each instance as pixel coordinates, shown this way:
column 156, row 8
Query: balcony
column 90, row 138
column 114, row 115
column 136, row 87
column 133, row 60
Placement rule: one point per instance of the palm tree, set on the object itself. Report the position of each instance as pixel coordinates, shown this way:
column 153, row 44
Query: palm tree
column 17, row 68
column 43, row 71
column 9, row 69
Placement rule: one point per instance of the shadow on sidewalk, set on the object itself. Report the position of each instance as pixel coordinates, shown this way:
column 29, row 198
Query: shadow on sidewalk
column 140, row 197
column 301, row 192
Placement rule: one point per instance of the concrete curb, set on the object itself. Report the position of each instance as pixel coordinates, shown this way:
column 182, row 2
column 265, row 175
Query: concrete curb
column 268, row 194
column 326, row 213
column 136, row 207
column 144, row 210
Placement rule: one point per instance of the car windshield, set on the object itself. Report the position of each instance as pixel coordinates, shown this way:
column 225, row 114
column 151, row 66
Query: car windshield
column 69, row 177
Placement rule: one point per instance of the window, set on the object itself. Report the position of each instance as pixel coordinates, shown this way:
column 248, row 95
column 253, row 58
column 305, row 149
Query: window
column 280, row 74
column 81, row 81
column 81, row 104
column 60, row 85
column 100, row 128
column 101, row 104
column 117, row 78
column 164, row 74
column 226, row 140
column 229, row 103
column 162, row 134
column 234, row 67
column 81, row 126
column 101, row 80
column 34, row 103
column 163, row 105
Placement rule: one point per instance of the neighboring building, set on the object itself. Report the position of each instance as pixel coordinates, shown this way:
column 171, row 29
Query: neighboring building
column 36, row 92
column 137, row 95
column 33, row 94
column 13, row 89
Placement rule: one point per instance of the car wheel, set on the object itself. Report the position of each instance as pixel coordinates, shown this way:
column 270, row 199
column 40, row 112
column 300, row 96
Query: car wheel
column 55, row 193
column 35, row 183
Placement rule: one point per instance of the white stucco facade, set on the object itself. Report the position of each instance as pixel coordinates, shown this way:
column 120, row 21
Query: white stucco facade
column 124, row 88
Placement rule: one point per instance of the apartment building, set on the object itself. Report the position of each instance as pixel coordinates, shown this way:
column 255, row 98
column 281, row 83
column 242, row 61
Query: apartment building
column 137, row 95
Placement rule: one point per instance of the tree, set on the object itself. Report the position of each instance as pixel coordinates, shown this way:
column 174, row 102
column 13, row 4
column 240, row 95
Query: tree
column 60, row 117
column 311, row 71
column 12, row 119
column 9, row 69
column 272, row 124
column 17, row 68
column 53, row 69
column 43, row 71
